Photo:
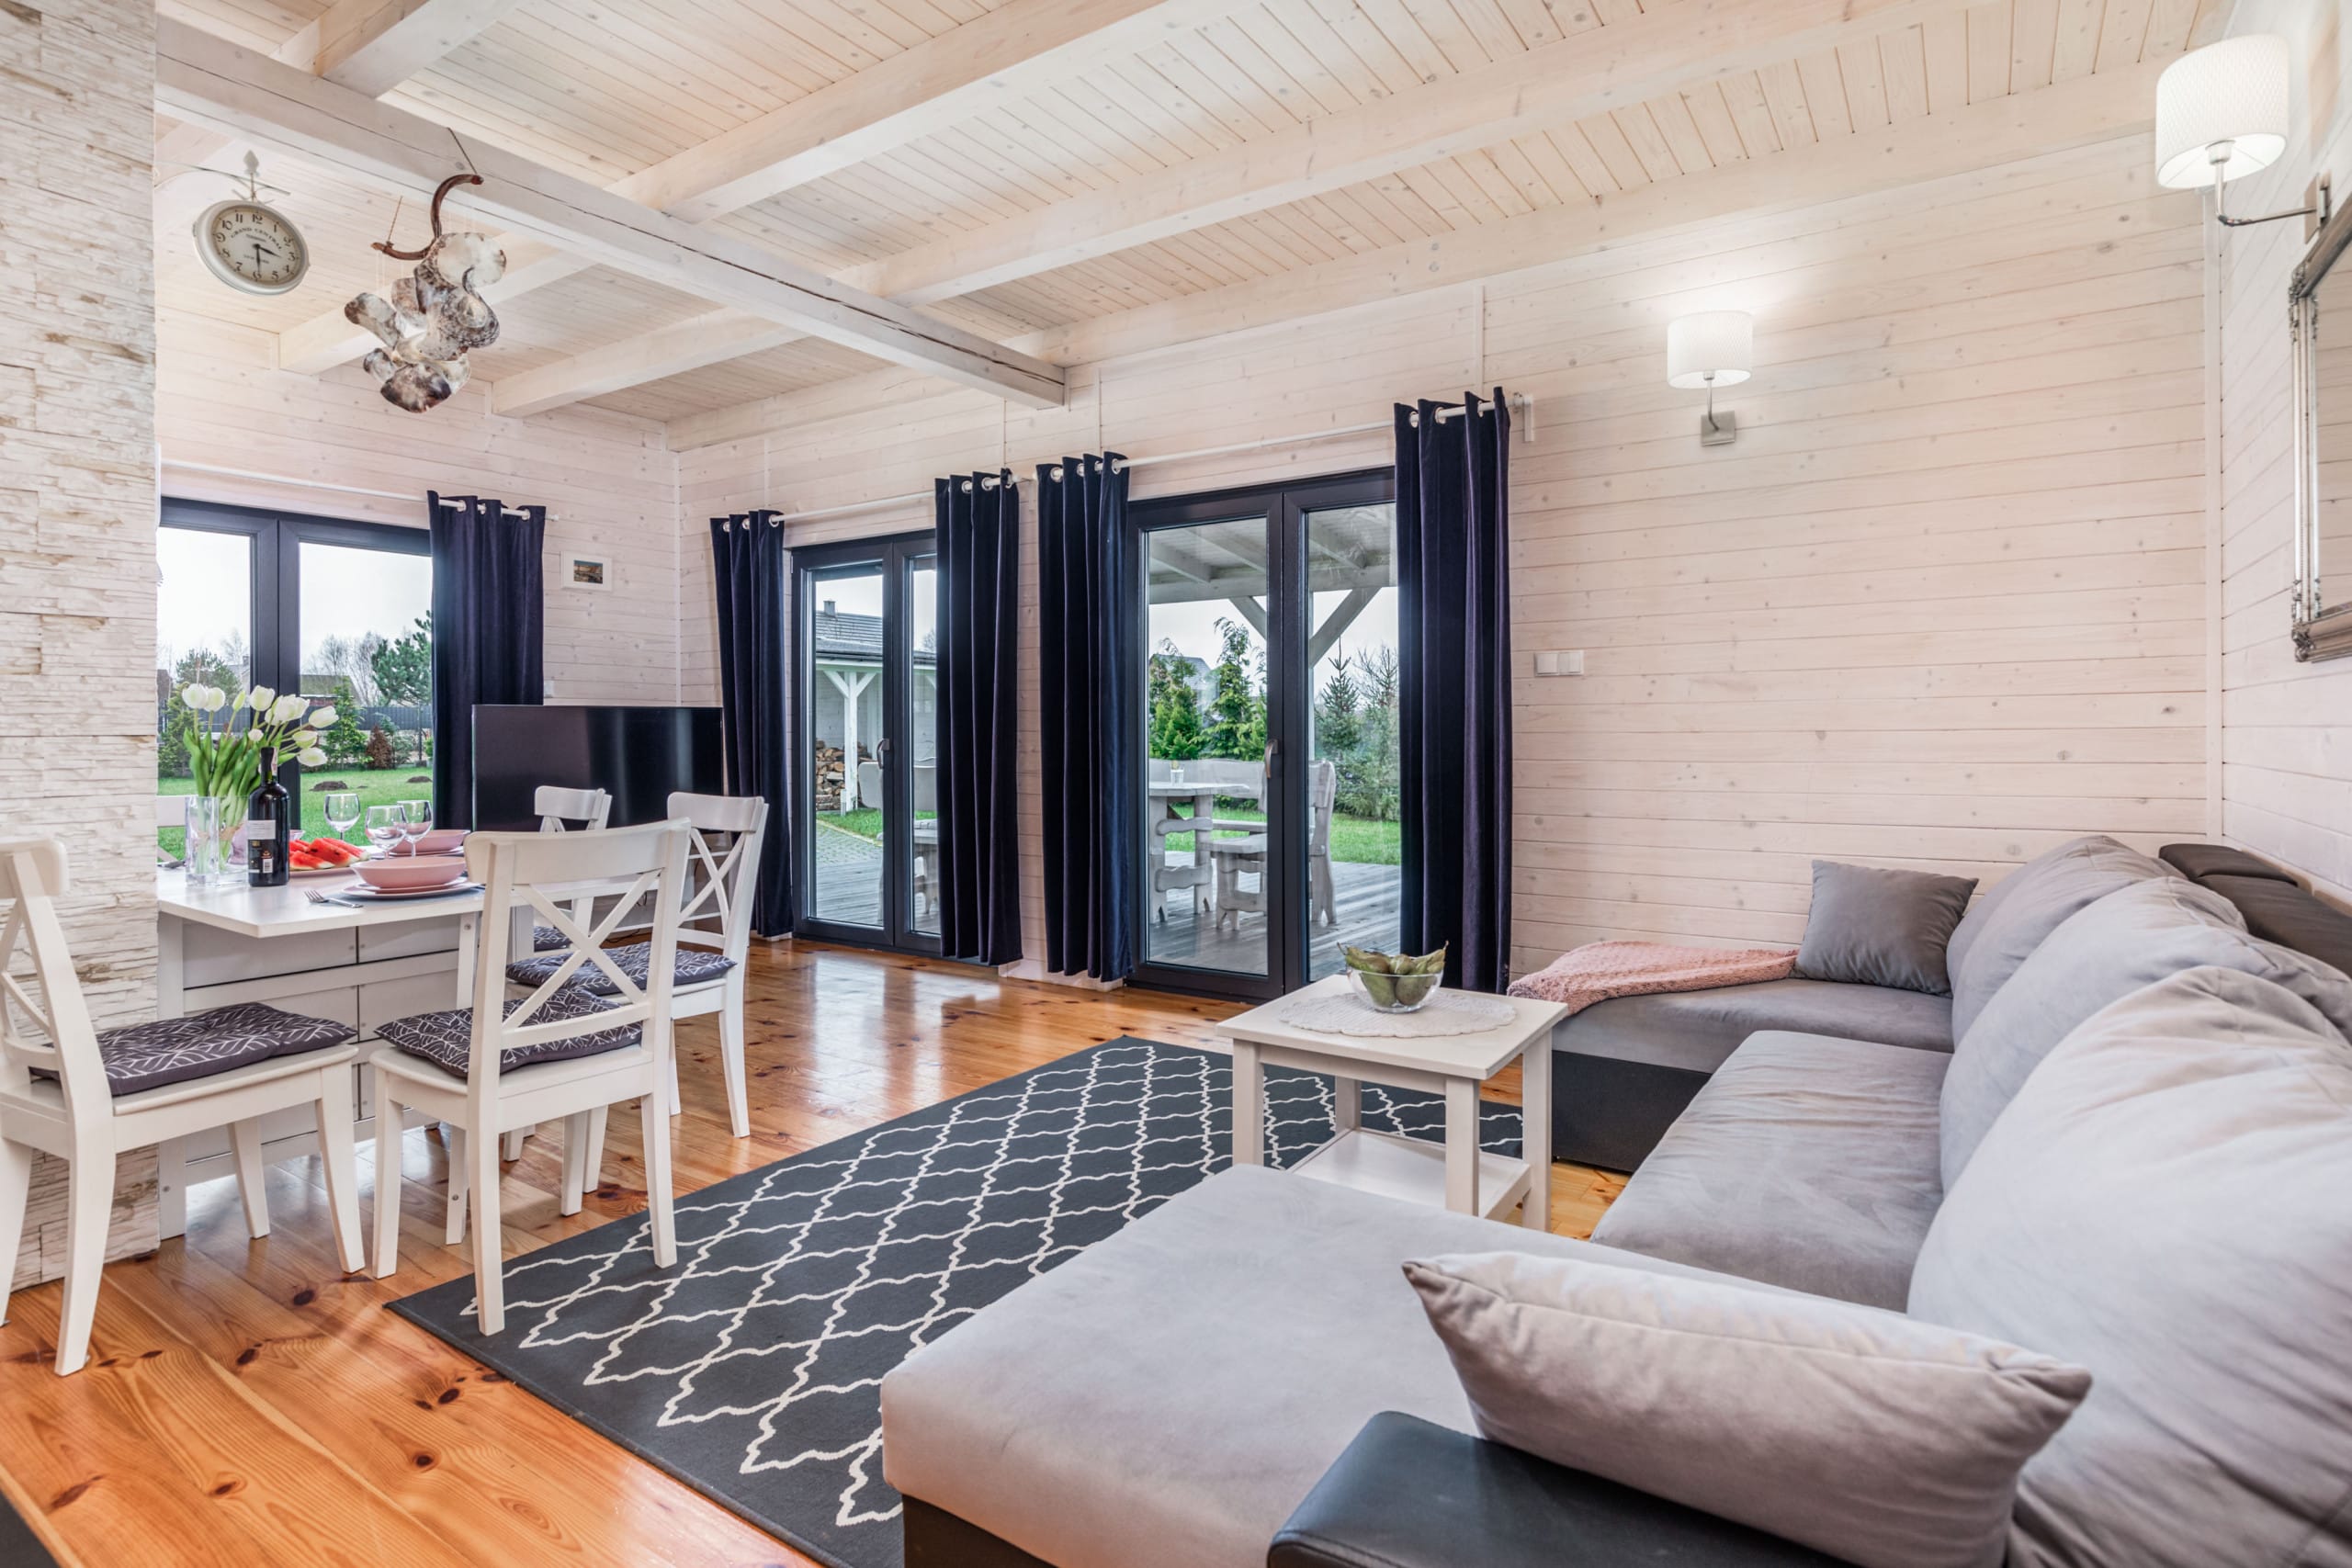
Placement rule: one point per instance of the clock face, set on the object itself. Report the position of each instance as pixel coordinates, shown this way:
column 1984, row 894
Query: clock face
column 252, row 247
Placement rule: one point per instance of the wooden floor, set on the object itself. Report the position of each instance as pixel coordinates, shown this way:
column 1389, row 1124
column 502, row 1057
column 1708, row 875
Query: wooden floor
column 246, row 1403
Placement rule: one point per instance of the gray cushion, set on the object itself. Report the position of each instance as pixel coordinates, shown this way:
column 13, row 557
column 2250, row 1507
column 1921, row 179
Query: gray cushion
column 2133, row 937
column 2025, row 907
column 547, row 938
column 174, row 1050
column 1696, row 1030
column 1884, row 1441
column 694, row 966
column 1881, row 926
column 448, row 1037
column 1166, row 1397
column 2165, row 1201
column 1807, row 1161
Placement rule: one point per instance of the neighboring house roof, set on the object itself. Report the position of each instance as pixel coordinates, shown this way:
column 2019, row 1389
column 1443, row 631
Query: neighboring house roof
column 840, row 637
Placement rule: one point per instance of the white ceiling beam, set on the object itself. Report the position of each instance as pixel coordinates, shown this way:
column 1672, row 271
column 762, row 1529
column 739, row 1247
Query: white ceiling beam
column 234, row 90
column 992, row 59
column 1982, row 136
column 1622, row 65
column 710, row 339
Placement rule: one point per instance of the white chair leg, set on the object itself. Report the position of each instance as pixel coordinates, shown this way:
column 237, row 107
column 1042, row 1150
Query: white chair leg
column 16, row 1192
column 252, row 1177
column 592, row 1174
column 515, row 1143
column 730, row 1060
column 341, row 1161
column 677, row 1102
column 490, row 1261
column 89, row 1204
column 388, row 1180
column 454, row 1139
column 657, row 1181
column 575, row 1162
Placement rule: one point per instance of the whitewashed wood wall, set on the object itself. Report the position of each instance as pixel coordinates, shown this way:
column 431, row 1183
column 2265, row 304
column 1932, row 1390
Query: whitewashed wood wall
column 1942, row 604
column 77, row 514
column 2286, row 727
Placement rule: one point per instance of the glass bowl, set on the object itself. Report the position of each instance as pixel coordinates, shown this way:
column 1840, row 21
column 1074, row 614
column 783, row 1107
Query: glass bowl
column 1394, row 993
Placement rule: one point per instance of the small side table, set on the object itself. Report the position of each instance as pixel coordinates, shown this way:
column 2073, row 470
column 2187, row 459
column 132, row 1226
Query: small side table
column 1456, row 1175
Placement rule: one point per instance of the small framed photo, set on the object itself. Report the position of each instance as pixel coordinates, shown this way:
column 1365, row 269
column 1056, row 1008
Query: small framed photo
column 587, row 571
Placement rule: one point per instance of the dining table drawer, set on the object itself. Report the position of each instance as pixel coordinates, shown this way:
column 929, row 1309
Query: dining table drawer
column 381, row 1001
column 211, row 957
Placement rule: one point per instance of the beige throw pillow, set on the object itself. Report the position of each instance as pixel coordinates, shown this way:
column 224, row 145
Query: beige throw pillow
column 1859, row 1432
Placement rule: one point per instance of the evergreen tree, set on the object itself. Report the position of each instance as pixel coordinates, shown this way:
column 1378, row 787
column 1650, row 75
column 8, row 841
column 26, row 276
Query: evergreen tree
column 403, row 672
column 345, row 742
column 1336, row 729
column 1175, row 726
column 1236, row 701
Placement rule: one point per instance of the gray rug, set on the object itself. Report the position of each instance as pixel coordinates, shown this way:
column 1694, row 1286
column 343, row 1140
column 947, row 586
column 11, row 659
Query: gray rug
column 751, row 1371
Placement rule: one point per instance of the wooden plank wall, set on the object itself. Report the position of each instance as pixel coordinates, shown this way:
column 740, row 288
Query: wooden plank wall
column 609, row 483
column 1940, row 605
column 2286, row 728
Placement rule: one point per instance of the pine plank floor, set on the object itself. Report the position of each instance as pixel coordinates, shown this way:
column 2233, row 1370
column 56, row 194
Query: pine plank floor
column 248, row 1404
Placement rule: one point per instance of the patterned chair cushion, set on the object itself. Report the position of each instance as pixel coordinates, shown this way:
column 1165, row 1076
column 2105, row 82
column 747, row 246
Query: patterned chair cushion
column 547, row 938
column 696, row 966
column 446, row 1038
column 174, row 1050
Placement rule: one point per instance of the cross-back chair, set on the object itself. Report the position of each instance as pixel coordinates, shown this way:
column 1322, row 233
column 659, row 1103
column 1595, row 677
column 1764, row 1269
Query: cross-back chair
column 89, row 1097
column 556, row 1054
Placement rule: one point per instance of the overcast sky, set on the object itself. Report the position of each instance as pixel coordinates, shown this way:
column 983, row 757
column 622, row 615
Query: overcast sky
column 207, row 591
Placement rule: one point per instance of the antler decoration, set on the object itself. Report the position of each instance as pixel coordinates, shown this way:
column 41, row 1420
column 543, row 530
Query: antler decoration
column 434, row 316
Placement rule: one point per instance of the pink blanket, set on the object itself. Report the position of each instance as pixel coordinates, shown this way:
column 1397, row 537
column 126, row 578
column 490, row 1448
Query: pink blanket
column 1599, row 970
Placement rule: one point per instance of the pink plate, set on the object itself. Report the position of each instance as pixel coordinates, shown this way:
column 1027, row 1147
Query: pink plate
column 404, row 873
column 442, row 841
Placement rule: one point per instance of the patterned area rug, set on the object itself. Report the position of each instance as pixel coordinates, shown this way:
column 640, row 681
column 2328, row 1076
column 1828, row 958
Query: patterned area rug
column 751, row 1371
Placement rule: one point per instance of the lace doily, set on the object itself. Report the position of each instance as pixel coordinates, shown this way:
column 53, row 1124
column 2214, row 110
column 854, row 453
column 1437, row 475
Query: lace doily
column 1448, row 1012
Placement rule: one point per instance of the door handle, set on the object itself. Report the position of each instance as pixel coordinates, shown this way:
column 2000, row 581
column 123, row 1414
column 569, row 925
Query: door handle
column 1273, row 757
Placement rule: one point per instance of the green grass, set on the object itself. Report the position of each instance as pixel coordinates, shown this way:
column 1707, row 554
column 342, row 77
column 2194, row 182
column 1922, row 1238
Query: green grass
column 373, row 786
column 1358, row 840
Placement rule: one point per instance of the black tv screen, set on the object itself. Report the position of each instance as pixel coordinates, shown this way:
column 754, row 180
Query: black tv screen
column 637, row 754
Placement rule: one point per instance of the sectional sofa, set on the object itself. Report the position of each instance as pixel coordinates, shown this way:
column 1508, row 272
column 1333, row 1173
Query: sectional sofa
column 2135, row 1158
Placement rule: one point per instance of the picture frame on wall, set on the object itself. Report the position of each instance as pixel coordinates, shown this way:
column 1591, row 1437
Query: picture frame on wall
column 592, row 572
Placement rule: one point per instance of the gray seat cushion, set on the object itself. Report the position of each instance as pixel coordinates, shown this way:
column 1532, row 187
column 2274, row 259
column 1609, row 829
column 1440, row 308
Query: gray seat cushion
column 2025, row 907
column 1808, row 1162
column 1167, row 1397
column 2110, row 948
column 174, row 1050
column 2165, row 1204
column 1696, row 1030
column 694, row 966
column 448, row 1038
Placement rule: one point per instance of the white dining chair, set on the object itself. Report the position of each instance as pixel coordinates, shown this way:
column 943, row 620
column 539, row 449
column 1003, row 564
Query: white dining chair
column 89, row 1097
column 555, row 1054
column 714, row 940
column 171, row 810
column 558, row 809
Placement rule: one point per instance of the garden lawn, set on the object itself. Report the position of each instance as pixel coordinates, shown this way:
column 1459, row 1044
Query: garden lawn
column 373, row 786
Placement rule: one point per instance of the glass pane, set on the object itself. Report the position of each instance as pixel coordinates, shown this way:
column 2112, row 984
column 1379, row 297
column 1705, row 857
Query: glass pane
column 1354, row 836
column 203, row 637
column 366, row 637
column 922, row 743
column 1205, row 709
column 844, row 876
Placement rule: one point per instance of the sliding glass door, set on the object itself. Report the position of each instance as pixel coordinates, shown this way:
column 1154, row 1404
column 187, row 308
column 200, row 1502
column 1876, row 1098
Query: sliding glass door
column 1270, row 825
column 865, row 737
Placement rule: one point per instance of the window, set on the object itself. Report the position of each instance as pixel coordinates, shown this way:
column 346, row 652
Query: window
column 341, row 612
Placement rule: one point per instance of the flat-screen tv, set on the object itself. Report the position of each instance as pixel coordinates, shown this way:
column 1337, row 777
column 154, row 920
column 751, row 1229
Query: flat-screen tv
column 637, row 754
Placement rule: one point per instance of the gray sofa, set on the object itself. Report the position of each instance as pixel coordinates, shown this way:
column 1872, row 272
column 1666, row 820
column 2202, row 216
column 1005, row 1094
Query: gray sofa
column 1169, row 1397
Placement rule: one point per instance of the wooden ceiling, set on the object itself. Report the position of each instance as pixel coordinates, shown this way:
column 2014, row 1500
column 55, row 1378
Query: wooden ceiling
column 1134, row 153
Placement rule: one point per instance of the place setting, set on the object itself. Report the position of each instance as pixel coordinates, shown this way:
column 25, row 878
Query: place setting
column 407, row 858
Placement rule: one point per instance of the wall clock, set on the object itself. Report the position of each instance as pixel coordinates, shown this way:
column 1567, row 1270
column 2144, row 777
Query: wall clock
column 249, row 244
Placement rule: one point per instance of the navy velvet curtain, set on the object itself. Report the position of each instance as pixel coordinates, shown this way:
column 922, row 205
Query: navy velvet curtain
column 978, row 534
column 1453, row 571
column 1086, row 593
column 747, row 566
column 489, row 630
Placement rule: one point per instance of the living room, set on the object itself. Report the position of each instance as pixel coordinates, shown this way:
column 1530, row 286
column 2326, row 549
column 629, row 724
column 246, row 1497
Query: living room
column 984, row 616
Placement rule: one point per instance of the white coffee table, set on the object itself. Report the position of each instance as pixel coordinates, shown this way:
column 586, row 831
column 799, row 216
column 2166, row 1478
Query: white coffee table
column 1456, row 1175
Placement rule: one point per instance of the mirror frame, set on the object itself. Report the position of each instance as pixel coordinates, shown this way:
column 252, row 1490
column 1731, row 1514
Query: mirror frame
column 2320, row 630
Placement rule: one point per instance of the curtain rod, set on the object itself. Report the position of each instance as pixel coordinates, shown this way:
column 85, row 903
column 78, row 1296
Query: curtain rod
column 1519, row 401
column 312, row 484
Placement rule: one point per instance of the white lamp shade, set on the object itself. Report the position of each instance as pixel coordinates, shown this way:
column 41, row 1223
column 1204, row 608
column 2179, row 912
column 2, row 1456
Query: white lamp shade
column 1711, row 348
column 2235, row 91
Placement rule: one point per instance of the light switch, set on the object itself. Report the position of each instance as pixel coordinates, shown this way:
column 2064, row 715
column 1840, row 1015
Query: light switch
column 1560, row 661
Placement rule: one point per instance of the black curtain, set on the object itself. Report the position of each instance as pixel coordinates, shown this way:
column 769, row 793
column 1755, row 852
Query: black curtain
column 489, row 630
column 979, row 532
column 747, row 566
column 1086, row 606
column 1452, row 568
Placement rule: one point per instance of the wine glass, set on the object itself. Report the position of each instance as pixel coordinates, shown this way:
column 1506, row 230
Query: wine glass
column 384, row 829
column 342, row 811
column 416, row 820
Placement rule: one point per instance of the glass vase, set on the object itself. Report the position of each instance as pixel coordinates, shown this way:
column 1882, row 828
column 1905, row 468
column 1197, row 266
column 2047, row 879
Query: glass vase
column 210, row 822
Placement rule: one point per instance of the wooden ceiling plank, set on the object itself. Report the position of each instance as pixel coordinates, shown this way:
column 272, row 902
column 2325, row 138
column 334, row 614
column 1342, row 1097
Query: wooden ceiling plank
column 2076, row 51
column 1671, row 115
column 1945, row 39
column 1825, row 93
column 1988, row 51
column 204, row 78
column 1902, row 55
column 1710, row 115
column 2121, row 33
column 1860, row 67
column 2033, row 43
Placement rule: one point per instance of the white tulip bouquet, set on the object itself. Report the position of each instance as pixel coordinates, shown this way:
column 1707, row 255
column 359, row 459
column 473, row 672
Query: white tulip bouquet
column 226, row 758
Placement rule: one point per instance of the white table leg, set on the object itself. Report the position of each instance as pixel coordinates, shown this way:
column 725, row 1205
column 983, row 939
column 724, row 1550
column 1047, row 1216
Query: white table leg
column 1346, row 1104
column 1461, row 1146
column 1248, row 1105
column 1536, row 1134
column 171, row 1001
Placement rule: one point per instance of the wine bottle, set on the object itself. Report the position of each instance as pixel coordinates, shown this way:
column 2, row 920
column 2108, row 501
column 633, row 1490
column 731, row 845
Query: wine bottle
column 270, row 827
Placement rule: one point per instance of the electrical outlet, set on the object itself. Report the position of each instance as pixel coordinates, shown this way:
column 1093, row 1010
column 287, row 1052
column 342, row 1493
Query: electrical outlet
column 1560, row 661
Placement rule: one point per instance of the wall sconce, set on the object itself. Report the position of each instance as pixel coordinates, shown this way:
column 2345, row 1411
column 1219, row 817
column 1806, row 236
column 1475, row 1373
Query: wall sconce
column 2221, row 114
column 1713, row 348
